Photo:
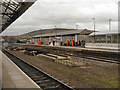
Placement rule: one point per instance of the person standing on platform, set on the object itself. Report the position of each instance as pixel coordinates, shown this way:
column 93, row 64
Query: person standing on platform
column 38, row 42
column 79, row 43
column 84, row 43
column 53, row 42
column 76, row 43
column 67, row 42
column 72, row 42
column 49, row 43
column 60, row 43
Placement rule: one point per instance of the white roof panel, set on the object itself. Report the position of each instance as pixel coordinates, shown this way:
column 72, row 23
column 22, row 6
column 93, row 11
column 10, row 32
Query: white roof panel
column 105, row 32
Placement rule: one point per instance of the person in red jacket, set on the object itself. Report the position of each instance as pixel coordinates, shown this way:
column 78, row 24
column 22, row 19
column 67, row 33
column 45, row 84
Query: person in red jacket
column 72, row 42
column 67, row 42
column 38, row 42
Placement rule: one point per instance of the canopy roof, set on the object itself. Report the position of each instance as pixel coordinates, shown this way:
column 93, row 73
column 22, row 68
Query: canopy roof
column 73, row 32
column 11, row 10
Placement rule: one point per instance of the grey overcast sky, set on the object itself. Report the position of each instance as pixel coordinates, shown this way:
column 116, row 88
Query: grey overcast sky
column 66, row 14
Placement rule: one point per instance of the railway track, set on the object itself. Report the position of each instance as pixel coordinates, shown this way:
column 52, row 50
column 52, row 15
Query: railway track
column 42, row 79
column 97, row 58
column 83, row 55
column 103, row 59
column 91, row 57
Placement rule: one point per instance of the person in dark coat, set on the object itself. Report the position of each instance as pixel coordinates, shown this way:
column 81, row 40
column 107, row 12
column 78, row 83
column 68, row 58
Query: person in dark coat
column 79, row 43
column 53, row 42
column 60, row 43
column 76, row 43
column 84, row 43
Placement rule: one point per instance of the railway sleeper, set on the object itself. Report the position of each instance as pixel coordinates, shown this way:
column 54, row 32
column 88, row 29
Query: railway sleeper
column 33, row 73
column 38, row 79
column 25, row 66
column 42, row 81
column 36, row 76
column 57, row 87
column 48, row 85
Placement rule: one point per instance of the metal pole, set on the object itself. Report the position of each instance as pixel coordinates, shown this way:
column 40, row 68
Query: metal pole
column 41, row 35
column 51, row 30
column 94, row 28
column 110, row 24
column 77, row 27
column 55, row 32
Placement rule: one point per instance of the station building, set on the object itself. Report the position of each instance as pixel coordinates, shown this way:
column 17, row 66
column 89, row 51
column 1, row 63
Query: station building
column 76, row 35
column 105, row 37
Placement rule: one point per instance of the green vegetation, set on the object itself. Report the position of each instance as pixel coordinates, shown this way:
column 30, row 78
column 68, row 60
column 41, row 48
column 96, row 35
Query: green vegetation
column 94, row 80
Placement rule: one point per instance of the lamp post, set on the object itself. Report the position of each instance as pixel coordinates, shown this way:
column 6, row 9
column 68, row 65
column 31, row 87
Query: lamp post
column 77, row 27
column 41, row 34
column 55, row 32
column 94, row 28
column 110, row 24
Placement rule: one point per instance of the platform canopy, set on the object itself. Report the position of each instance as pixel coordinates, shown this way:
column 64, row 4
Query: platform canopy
column 66, row 33
column 10, row 10
column 105, row 33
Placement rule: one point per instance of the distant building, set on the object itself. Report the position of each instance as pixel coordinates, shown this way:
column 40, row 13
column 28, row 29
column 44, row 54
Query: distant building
column 105, row 37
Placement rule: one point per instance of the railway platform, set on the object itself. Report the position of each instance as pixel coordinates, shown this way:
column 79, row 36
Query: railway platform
column 14, row 77
column 86, row 48
column 91, row 49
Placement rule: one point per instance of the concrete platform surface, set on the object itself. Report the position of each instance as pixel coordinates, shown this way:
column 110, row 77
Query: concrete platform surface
column 91, row 49
column 13, row 76
column 80, row 48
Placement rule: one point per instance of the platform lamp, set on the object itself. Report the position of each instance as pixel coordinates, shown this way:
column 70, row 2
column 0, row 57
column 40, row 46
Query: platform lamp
column 41, row 34
column 94, row 28
column 110, row 24
column 55, row 33
column 77, row 26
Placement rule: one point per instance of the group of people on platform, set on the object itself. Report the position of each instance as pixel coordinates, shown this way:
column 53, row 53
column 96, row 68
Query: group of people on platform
column 68, row 43
column 75, row 43
column 39, row 42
